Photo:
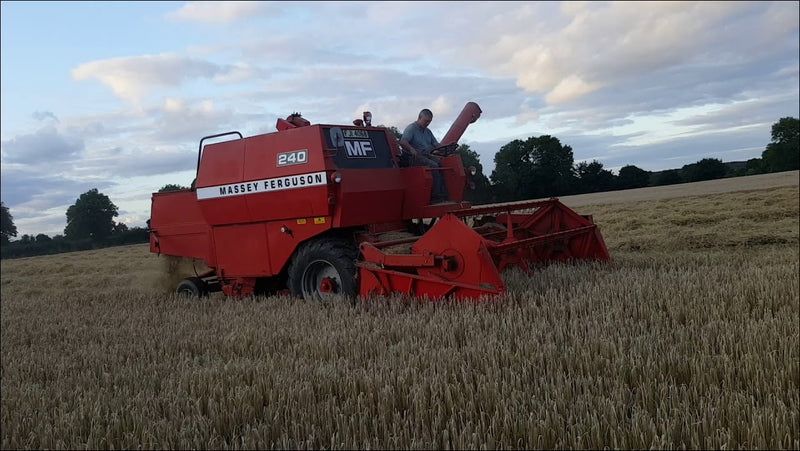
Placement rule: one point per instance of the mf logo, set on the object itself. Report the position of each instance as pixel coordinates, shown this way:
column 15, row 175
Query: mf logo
column 359, row 149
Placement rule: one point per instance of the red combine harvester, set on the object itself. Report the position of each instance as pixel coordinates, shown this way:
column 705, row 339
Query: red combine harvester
column 325, row 211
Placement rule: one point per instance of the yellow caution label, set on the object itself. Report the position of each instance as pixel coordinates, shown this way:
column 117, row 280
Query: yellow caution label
column 301, row 221
column 319, row 220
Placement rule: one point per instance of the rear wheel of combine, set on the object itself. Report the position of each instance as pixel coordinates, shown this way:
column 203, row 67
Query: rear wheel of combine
column 324, row 270
column 192, row 287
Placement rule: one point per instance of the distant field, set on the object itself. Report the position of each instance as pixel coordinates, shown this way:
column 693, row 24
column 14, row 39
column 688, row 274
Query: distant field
column 688, row 338
column 752, row 182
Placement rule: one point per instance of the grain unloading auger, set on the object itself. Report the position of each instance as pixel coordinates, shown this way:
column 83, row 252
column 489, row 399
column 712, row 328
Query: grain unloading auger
column 325, row 211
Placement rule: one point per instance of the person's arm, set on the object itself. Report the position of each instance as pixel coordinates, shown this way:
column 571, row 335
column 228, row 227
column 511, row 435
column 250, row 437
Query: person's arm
column 404, row 140
column 435, row 145
column 406, row 145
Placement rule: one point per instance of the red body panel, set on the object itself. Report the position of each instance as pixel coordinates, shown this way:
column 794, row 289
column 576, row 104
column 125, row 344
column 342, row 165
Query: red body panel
column 242, row 249
column 419, row 181
column 257, row 187
column 178, row 226
column 369, row 197
column 283, row 243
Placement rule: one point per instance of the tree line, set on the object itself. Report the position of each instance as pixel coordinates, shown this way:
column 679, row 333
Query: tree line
column 537, row 167
column 542, row 166
column 90, row 225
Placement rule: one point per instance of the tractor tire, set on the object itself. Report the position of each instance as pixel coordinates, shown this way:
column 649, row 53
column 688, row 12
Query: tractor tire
column 192, row 287
column 324, row 270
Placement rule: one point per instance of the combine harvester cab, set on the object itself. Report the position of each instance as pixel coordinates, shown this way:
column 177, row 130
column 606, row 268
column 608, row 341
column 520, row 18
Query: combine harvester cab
column 324, row 211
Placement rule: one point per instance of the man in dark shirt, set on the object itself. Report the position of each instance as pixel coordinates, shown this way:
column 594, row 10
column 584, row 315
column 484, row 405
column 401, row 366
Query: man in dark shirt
column 417, row 143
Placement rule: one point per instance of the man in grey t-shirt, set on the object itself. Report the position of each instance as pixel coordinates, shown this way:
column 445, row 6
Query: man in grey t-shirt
column 417, row 143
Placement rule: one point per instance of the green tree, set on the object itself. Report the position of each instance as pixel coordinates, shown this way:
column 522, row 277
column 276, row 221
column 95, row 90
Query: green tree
column 754, row 166
column 592, row 178
column 513, row 171
column 632, row 177
column 534, row 168
column 171, row 187
column 7, row 227
column 397, row 133
column 783, row 153
column 119, row 228
column 668, row 177
column 92, row 216
column 705, row 169
column 43, row 238
column 554, row 166
column 481, row 193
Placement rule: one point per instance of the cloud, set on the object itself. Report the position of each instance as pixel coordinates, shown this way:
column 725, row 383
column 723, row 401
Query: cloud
column 178, row 120
column 118, row 164
column 339, row 94
column 729, row 145
column 45, row 145
column 44, row 115
column 31, row 190
column 568, row 89
column 571, row 52
column 218, row 12
column 131, row 78
column 237, row 73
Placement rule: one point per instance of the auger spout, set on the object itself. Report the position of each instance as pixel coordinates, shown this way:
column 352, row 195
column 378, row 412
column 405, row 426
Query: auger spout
column 468, row 115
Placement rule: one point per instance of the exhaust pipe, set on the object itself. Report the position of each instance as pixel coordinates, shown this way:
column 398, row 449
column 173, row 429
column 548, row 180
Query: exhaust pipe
column 468, row 115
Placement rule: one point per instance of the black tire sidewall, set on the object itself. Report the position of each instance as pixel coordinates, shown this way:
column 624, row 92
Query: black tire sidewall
column 339, row 253
column 193, row 286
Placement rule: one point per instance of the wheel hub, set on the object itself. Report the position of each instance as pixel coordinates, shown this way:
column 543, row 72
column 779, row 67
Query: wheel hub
column 327, row 285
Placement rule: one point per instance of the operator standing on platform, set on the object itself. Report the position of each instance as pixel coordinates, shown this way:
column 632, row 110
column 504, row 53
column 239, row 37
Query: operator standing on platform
column 417, row 143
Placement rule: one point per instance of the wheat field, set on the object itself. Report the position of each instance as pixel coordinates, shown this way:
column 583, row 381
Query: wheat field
column 687, row 339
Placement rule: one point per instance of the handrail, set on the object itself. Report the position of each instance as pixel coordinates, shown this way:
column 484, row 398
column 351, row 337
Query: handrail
column 200, row 148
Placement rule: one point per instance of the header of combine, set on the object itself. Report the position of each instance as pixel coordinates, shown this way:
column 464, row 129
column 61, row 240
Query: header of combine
column 325, row 211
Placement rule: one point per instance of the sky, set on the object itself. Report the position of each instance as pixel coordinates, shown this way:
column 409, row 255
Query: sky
column 117, row 95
